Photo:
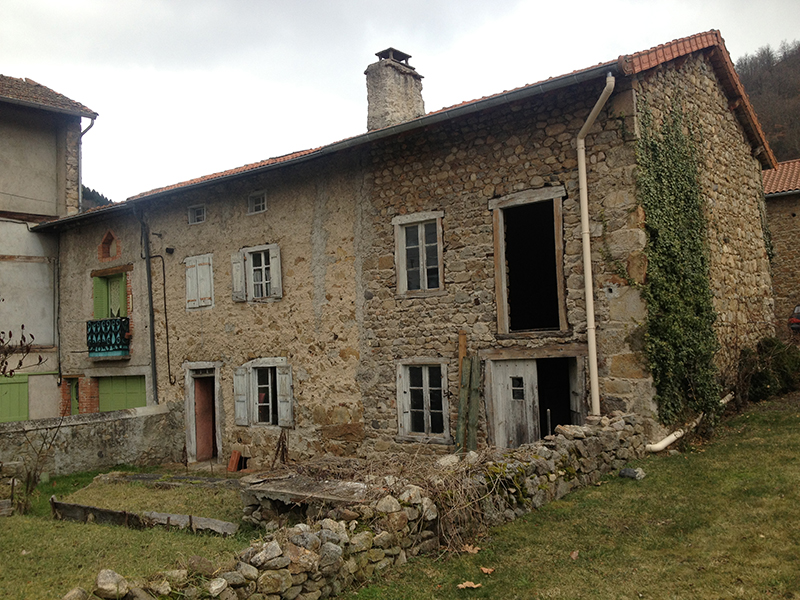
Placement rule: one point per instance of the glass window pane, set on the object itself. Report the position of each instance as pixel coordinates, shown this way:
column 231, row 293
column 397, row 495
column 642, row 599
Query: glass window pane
column 412, row 236
column 412, row 258
column 263, row 413
column 435, row 376
column 417, row 421
column 256, row 256
column 430, row 233
column 263, row 376
column 415, row 376
column 436, row 400
column 413, row 280
column 417, row 402
column 433, row 279
column 437, row 422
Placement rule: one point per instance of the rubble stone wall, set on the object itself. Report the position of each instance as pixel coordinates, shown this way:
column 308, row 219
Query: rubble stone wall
column 730, row 179
column 783, row 216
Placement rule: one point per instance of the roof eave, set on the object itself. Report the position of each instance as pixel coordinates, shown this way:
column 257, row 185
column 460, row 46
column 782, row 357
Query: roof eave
column 36, row 105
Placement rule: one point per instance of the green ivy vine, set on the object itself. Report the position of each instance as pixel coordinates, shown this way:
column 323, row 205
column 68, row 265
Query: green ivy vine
column 680, row 341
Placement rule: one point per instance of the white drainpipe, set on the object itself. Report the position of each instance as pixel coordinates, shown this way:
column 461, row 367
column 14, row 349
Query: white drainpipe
column 679, row 433
column 587, row 249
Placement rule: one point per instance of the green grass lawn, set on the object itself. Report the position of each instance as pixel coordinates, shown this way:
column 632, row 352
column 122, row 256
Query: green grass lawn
column 720, row 520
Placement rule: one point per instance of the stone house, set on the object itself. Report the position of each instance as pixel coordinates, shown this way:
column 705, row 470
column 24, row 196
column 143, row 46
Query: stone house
column 329, row 293
column 782, row 192
column 40, row 136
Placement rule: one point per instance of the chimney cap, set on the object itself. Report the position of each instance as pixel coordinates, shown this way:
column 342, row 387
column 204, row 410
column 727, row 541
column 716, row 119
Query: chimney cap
column 394, row 54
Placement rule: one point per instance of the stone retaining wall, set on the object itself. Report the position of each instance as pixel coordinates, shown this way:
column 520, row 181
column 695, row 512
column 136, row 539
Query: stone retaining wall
column 139, row 436
column 352, row 544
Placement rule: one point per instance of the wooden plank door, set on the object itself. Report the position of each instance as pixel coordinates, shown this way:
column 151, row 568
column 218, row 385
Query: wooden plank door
column 515, row 396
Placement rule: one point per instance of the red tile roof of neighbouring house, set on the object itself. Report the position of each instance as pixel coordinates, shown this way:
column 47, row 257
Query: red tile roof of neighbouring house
column 782, row 179
column 27, row 92
column 710, row 42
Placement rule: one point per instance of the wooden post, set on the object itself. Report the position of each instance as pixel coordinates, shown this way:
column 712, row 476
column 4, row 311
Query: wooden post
column 474, row 402
column 464, row 368
column 462, row 351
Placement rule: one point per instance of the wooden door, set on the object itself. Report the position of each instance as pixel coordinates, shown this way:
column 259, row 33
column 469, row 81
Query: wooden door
column 205, row 433
column 516, row 402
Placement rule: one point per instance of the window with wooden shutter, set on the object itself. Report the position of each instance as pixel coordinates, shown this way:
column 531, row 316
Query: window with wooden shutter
column 199, row 281
column 110, row 296
column 263, row 393
column 256, row 274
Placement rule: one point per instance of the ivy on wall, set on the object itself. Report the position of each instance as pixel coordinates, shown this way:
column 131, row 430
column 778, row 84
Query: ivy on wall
column 680, row 340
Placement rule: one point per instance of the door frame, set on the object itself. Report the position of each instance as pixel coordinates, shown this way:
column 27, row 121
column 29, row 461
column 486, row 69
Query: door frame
column 190, row 369
column 492, row 356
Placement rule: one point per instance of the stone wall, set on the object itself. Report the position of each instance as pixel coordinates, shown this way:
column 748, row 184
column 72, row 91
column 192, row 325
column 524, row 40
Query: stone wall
column 141, row 436
column 730, row 179
column 783, row 216
column 353, row 544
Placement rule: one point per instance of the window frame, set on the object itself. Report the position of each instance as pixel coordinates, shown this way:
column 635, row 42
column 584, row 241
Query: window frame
column 245, row 392
column 419, row 219
column 199, row 295
column 101, row 295
column 252, row 199
column 243, row 285
column 192, row 214
column 556, row 195
column 404, row 402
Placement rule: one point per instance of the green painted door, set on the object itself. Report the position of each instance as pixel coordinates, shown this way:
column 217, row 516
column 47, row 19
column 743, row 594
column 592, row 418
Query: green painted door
column 118, row 393
column 14, row 398
column 73, row 394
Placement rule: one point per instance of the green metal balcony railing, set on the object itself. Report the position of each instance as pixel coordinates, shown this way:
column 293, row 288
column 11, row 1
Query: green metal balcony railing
column 108, row 337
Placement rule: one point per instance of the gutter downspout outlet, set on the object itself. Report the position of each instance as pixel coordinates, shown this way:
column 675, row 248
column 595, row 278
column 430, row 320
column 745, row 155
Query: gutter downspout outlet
column 587, row 249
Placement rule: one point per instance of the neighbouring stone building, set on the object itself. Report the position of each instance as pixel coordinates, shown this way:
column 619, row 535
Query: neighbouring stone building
column 782, row 190
column 40, row 133
column 329, row 293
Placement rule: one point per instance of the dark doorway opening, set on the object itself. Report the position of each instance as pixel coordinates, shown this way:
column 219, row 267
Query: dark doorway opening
column 531, row 270
column 554, row 393
column 205, row 419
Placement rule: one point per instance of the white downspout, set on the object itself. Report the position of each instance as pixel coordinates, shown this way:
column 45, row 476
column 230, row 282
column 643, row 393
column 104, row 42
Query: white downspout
column 679, row 433
column 587, row 249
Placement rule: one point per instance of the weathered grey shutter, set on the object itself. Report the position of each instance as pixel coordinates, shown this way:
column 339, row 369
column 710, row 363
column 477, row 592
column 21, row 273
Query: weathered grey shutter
column 204, row 280
column 240, row 396
column 276, row 288
column 191, row 282
column 237, row 275
column 285, row 395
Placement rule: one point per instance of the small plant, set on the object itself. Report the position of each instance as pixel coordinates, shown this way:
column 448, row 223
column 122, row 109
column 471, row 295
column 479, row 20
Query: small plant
column 771, row 369
column 33, row 463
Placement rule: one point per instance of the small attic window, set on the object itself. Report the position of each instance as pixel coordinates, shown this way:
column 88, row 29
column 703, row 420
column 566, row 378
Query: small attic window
column 257, row 203
column 109, row 247
column 197, row 214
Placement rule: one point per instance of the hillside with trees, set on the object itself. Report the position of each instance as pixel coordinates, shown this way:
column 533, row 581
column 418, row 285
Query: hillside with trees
column 772, row 81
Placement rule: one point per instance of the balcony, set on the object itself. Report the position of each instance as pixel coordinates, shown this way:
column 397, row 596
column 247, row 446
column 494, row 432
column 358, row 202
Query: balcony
column 108, row 337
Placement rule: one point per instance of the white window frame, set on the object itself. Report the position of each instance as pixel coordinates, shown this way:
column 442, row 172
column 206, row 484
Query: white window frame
column 404, row 402
column 419, row 219
column 242, row 271
column 196, row 214
column 254, row 199
column 199, row 281
column 245, row 392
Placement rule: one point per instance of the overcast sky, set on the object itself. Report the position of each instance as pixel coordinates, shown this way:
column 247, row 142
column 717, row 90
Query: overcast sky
column 190, row 87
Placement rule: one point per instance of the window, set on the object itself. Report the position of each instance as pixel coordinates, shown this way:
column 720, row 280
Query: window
column 197, row 214
column 422, row 400
column 118, row 393
column 529, row 261
column 199, row 281
column 257, row 274
column 109, row 248
column 263, row 395
column 418, row 253
column 110, row 296
column 256, row 203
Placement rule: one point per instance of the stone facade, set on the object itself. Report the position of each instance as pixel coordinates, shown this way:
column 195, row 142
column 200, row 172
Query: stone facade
column 346, row 333
column 731, row 183
column 782, row 214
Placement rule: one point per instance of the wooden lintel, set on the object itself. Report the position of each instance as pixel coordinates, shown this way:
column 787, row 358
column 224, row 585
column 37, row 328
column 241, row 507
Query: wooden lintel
column 112, row 270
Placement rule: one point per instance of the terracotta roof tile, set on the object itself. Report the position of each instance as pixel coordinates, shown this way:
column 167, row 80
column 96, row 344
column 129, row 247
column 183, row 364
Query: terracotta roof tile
column 29, row 93
column 784, row 178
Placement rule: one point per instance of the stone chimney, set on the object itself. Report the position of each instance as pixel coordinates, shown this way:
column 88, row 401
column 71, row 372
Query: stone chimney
column 394, row 90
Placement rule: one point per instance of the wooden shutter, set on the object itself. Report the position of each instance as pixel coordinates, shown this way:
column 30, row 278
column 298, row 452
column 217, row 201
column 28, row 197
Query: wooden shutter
column 14, row 398
column 205, row 279
column 192, row 300
column 123, row 294
column 237, row 275
column 285, row 395
column 276, row 289
column 240, row 396
column 100, row 297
